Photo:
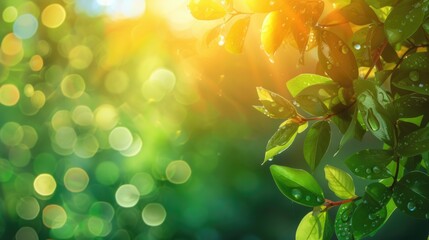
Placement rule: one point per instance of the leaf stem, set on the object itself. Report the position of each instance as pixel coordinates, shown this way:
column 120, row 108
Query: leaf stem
column 376, row 58
column 329, row 203
column 328, row 116
column 395, row 177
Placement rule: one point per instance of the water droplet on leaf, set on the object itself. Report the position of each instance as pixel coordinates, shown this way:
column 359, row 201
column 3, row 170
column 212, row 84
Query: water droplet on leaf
column 372, row 121
column 414, row 76
column 411, row 206
column 296, row 193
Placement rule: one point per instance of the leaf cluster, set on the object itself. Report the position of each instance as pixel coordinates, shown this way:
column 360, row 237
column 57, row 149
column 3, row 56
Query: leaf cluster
column 372, row 77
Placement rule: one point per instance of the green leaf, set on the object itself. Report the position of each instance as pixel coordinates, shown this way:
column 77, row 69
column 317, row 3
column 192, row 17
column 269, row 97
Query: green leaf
column 315, row 227
column 274, row 105
column 303, row 81
column 354, row 130
column 381, row 3
column 411, row 194
column 376, row 196
column 312, row 105
column 337, row 58
column 414, row 143
column 316, row 143
column 370, row 164
column 411, row 105
column 365, row 222
column 340, row 182
column 359, row 13
column 413, row 73
column 274, row 29
column 361, row 42
column 377, row 111
column 298, row 185
column 206, row 9
column 281, row 139
column 343, row 223
column 404, row 20
column 234, row 40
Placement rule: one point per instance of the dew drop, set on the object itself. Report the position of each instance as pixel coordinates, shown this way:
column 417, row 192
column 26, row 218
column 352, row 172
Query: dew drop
column 368, row 170
column 344, row 49
column 357, row 46
column 345, row 217
column 372, row 121
column 329, row 66
column 296, row 193
column 414, row 76
column 372, row 216
column 376, row 169
column 319, row 199
column 357, row 170
column 307, row 198
column 221, row 41
column 411, row 206
column 281, row 109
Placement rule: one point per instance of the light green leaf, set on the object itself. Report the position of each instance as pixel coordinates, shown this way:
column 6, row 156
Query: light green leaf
column 411, row 194
column 414, row 143
column 302, row 81
column 298, row 185
column 381, row 3
column 314, row 227
column 404, row 20
column 206, row 9
column 281, row 139
column 274, row 105
column 316, row 143
column 340, row 182
column 370, row 164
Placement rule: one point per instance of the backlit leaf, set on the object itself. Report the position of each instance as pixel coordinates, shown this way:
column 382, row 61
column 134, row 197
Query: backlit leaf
column 234, row 40
column 206, row 9
column 274, row 105
column 274, row 29
column 381, row 3
column 370, row 164
column 404, row 20
column 264, row 6
column 411, row 194
column 302, row 81
column 336, row 58
column 281, row 139
column 414, row 143
column 316, row 143
column 413, row 74
column 340, row 182
column 213, row 34
column 298, row 185
column 314, row 226
column 359, row 13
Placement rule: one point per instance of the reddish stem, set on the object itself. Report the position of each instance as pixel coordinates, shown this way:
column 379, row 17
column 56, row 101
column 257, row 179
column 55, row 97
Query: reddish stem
column 329, row 203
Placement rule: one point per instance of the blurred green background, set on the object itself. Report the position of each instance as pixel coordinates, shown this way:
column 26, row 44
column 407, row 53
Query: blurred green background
column 119, row 122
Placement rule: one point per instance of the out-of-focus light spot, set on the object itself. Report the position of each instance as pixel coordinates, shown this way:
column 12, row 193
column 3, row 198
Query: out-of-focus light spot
column 53, row 15
column 160, row 83
column 99, row 227
column 67, row 231
column 28, row 90
column 25, row 26
column 178, row 172
column 76, row 180
column 115, row 9
column 116, row 82
column 73, row 86
column 106, row 117
column 11, row 134
column 27, row 208
column 54, row 216
column 102, row 210
column 6, row 170
column 9, row 95
column 30, row 136
column 65, row 137
column 43, row 47
column 105, row 2
column 38, row 99
column 154, row 214
column 144, row 183
column 82, row 115
column 86, row 146
column 107, row 167
column 134, row 148
column 44, row 184
column 26, row 233
column 19, row 155
column 127, row 195
column 10, row 14
column 120, row 138
column 122, row 234
column 80, row 57
column 60, row 119
column 11, row 45
column 36, row 63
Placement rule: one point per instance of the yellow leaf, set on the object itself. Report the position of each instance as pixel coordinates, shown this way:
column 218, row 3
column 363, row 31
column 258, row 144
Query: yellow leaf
column 340, row 182
column 264, row 5
column 274, row 29
column 206, row 9
column 234, row 41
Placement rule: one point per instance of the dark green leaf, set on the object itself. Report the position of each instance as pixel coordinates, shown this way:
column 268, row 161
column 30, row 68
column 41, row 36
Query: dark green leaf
column 336, row 58
column 314, row 226
column 376, row 196
column 281, row 139
column 322, row 91
column 316, row 143
column 359, row 13
column 354, row 130
column 370, row 164
column 298, row 185
column 340, row 182
column 366, row 222
column 411, row 194
column 274, row 105
column 414, row 143
column 343, row 223
column 413, row 74
column 361, row 46
column 312, row 105
column 404, row 20
column 411, row 105
column 303, row 81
